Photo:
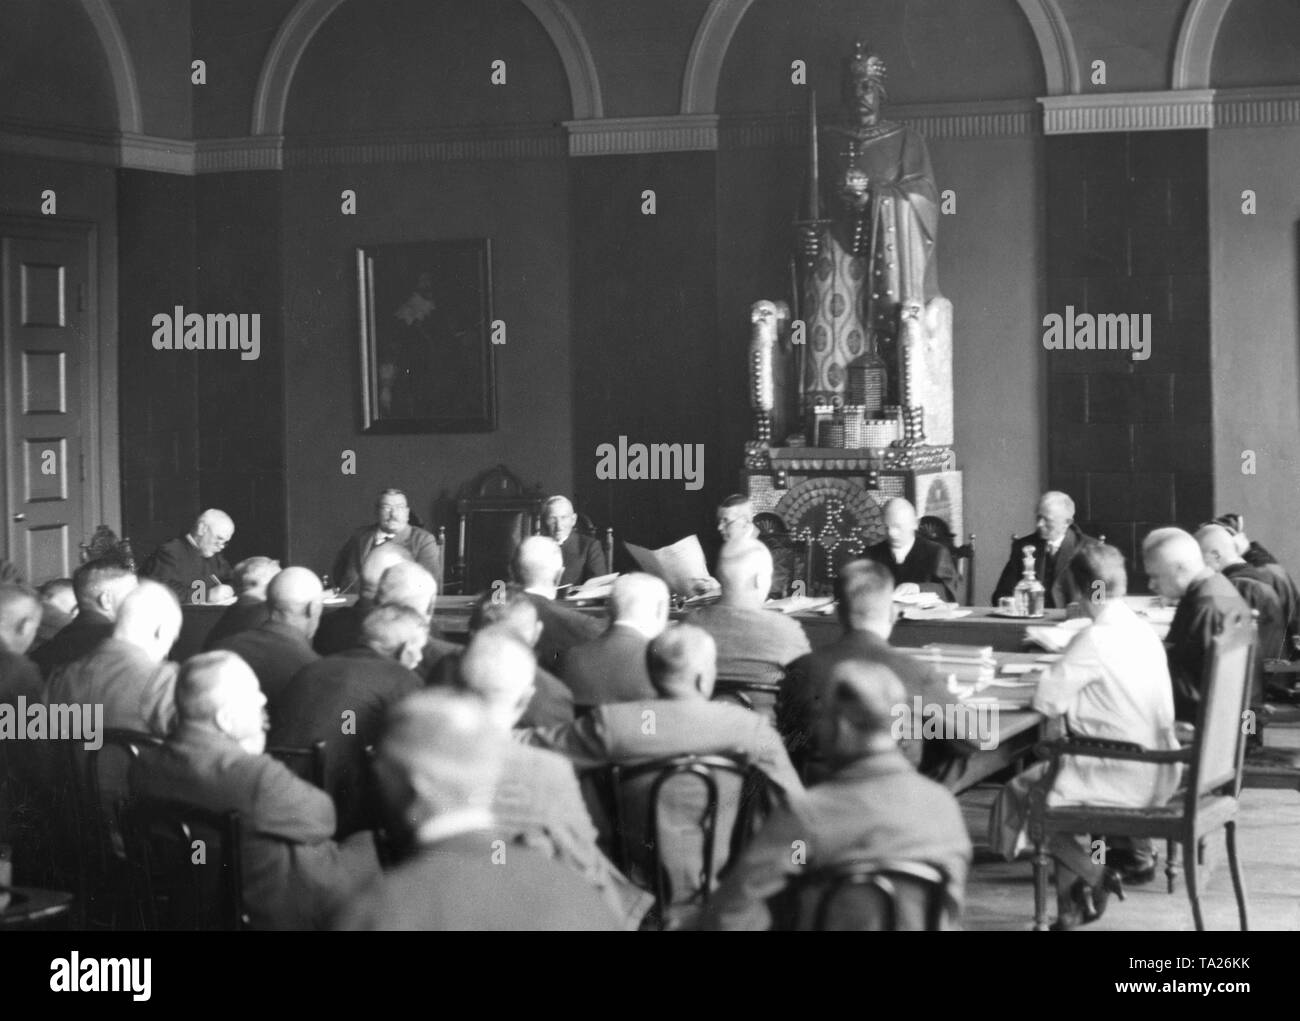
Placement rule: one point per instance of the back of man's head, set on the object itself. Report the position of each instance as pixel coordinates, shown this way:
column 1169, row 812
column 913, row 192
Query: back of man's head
column 20, row 617
column 219, row 690
column 377, row 561
column 1218, row 546
column 150, row 619
column 395, row 632
column 858, row 718
column 1098, row 571
column 864, row 590
column 640, row 600
column 295, row 598
column 441, row 752
column 745, row 574
column 101, row 585
column 537, row 562
column 683, row 662
column 511, row 606
column 500, row 669
column 253, row 575
column 410, row 585
column 1172, row 559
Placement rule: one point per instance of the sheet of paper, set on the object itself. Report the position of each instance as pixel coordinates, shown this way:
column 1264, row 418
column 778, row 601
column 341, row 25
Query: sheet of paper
column 593, row 588
column 798, row 604
column 678, row 565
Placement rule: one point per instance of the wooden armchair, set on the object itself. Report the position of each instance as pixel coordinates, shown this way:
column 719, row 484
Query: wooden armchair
column 1212, row 785
column 867, row 896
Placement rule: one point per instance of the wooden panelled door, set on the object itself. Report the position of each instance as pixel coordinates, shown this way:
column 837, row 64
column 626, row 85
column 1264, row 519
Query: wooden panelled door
column 46, row 322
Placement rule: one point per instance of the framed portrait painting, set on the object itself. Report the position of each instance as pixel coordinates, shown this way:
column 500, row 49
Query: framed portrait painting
column 426, row 348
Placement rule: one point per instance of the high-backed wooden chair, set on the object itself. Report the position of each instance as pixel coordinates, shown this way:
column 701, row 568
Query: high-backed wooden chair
column 495, row 514
column 1208, row 802
column 964, row 558
column 864, row 895
column 587, row 527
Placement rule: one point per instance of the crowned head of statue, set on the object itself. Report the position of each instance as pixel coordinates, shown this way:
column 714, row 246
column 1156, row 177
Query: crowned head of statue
column 864, row 85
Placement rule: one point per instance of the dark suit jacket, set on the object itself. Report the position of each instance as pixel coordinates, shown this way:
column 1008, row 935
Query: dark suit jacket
column 551, row 704
column 1275, row 576
column 464, row 884
column 244, row 615
column 340, row 629
column 1199, row 617
column 177, row 564
column 584, row 558
column 1256, row 585
column 136, row 692
column 610, row 668
column 276, row 652
column 562, row 628
column 422, row 545
column 1061, row 590
column 877, row 807
column 295, row 876
column 78, row 639
column 807, row 684
column 311, row 708
column 753, row 645
column 927, row 564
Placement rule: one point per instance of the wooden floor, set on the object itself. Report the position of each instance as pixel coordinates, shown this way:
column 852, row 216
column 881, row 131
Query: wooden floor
column 1000, row 894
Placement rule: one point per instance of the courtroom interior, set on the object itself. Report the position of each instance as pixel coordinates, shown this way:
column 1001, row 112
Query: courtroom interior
column 896, row 400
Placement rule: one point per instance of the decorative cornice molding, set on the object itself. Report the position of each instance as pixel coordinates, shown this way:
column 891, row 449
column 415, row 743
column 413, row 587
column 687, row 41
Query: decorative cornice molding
column 164, row 155
column 503, row 142
column 625, row 135
column 72, row 145
column 223, row 155
column 1262, row 107
column 1128, row 111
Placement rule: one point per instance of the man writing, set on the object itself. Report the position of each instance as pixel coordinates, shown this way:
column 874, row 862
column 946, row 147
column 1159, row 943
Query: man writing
column 192, row 565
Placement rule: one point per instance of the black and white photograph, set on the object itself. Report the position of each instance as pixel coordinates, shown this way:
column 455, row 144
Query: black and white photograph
column 650, row 466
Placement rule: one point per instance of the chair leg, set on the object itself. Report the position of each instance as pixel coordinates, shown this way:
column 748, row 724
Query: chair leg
column 1238, row 885
column 1193, row 894
column 1042, row 862
column 1171, row 865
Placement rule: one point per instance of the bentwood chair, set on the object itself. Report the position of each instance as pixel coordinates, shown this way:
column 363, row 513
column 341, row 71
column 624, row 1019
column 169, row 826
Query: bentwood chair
column 186, row 866
column 1209, row 800
column 677, row 844
column 864, row 895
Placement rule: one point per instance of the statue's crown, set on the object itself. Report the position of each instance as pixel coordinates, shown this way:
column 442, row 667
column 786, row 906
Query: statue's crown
column 866, row 65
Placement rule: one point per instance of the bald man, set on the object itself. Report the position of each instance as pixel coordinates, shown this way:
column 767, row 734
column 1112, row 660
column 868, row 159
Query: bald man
column 873, row 806
column 252, row 576
column 1056, row 539
column 439, row 765
column 192, row 565
column 537, row 566
column 538, row 802
column 392, row 527
column 918, row 564
column 295, row 875
column 1223, row 553
column 279, row 648
column 754, row 644
column 584, row 557
column 1177, row 572
column 681, row 720
column 611, row 667
column 341, row 700
column 100, row 587
column 410, row 585
column 341, row 630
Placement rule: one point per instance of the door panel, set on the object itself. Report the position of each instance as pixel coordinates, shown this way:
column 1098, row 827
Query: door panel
column 43, row 319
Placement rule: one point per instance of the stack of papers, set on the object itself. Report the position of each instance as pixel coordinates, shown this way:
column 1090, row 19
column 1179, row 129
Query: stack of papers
column 594, row 588
column 800, row 604
column 1058, row 636
column 961, row 664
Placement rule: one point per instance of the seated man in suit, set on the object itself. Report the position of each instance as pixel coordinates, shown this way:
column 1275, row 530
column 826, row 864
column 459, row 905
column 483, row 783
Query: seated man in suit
column 537, row 566
column 1177, row 572
column 392, row 525
column 410, row 585
column 1112, row 684
column 100, row 586
column 1055, row 542
column 295, row 875
column 192, row 565
column 681, row 721
column 58, row 607
column 552, row 702
column 22, row 763
column 611, row 668
column 20, row 618
column 538, row 802
column 918, row 564
column 873, row 806
column 281, row 647
column 1259, row 588
column 754, row 644
column 1251, row 551
column 340, row 630
column 439, row 765
column 584, row 557
column 252, row 576
column 342, row 699
column 864, row 593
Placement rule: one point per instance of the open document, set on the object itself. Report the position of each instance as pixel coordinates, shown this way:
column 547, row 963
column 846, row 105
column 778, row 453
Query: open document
column 678, row 565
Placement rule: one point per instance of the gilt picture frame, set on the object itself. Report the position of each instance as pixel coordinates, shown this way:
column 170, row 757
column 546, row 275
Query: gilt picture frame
column 425, row 318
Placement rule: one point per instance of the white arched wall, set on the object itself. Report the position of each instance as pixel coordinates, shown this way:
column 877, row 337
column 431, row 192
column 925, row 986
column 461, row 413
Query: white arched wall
column 1196, row 38
column 306, row 18
column 723, row 17
column 125, row 90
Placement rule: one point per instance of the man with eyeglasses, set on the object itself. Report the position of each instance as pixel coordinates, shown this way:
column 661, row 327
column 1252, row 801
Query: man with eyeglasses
column 192, row 565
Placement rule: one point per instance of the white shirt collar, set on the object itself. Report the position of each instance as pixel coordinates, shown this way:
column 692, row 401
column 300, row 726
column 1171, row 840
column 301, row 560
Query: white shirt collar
column 543, row 591
column 635, row 627
column 451, row 824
